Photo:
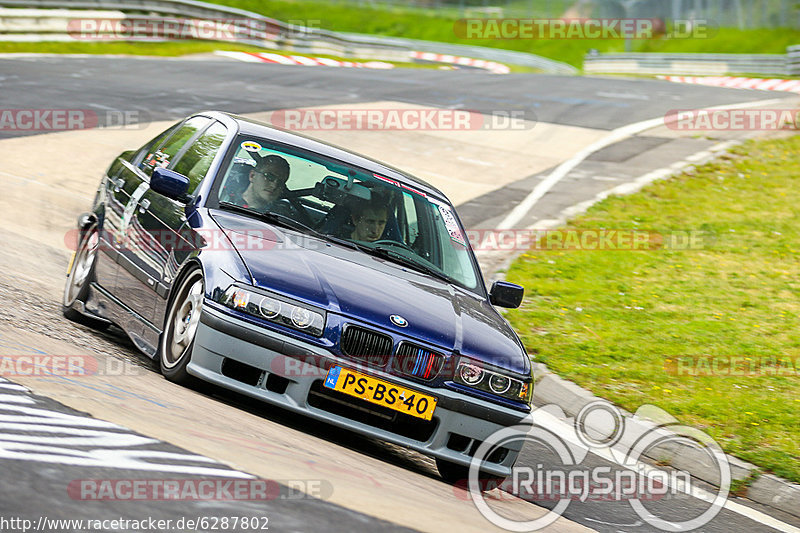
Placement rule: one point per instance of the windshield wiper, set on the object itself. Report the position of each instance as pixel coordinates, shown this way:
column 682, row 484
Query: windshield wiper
column 271, row 216
column 289, row 222
column 405, row 260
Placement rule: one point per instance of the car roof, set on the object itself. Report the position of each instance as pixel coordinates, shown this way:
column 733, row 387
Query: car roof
column 248, row 126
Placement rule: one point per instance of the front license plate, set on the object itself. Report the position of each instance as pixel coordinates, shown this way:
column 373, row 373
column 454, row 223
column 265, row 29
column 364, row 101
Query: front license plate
column 381, row 392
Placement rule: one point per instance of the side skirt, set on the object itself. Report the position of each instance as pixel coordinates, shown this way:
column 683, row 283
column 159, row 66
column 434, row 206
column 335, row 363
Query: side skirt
column 141, row 331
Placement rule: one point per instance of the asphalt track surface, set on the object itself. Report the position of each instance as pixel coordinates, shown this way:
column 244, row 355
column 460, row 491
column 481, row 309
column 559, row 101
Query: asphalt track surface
column 172, row 89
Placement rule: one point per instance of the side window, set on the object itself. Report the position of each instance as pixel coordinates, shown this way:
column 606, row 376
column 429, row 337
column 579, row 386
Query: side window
column 146, row 151
column 194, row 163
column 163, row 154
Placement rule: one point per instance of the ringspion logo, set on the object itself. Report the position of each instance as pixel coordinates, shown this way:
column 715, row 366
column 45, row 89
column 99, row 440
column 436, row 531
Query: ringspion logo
column 569, row 476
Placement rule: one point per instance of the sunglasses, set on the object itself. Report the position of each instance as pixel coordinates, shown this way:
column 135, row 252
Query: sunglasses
column 269, row 176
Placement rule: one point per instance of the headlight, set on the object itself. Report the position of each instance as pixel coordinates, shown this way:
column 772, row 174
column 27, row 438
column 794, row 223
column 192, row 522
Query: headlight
column 499, row 384
column 470, row 374
column 275, row 309
column 477, row 376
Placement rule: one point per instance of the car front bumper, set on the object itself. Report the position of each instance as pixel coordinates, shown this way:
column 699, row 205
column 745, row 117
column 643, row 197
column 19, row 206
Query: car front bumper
column 271, row 367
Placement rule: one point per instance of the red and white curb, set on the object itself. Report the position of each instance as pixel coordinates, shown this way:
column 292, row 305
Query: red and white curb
column 491, row 66
column 739, row 83
column 265, row 57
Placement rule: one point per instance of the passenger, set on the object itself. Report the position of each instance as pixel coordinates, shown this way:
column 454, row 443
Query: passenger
column 267, row 183
column 369, row 221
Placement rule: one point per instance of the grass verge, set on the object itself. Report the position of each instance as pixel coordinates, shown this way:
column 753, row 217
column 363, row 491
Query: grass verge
column 439, row 27
column 633, row 326
column 435, row 26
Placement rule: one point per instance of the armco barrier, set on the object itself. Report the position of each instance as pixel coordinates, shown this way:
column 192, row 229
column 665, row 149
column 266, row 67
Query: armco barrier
column 793, row 60
column 694, row 64
column 290, row 37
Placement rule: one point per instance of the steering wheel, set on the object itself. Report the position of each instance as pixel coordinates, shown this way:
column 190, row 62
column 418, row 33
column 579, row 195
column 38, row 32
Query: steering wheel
column 302, row 214
column 394, row 243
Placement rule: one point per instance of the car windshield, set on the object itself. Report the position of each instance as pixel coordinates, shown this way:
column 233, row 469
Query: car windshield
column 376, row 214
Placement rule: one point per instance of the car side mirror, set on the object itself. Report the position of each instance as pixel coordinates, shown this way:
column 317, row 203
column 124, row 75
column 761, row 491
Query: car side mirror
column 505, row 294
column 169, row 183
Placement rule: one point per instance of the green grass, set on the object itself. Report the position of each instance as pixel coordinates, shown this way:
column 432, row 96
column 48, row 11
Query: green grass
column 616, row 321
column 437, row 26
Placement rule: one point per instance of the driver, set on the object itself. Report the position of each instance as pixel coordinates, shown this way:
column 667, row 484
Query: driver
column 369, row 221
column 267, row 183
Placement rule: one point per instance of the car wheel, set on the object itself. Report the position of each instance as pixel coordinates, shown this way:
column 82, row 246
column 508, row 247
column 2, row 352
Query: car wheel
column 180, row 327
column 459, row 474
column 80, row 275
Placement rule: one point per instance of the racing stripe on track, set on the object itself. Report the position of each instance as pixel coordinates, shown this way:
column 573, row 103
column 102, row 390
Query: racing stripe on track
column 307, row 61
column 769, row 84
column 491, row 66
column 39, row 430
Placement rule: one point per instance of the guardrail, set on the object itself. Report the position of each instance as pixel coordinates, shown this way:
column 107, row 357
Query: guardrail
column 793, row 60
column 694, row 64
column 286, row 36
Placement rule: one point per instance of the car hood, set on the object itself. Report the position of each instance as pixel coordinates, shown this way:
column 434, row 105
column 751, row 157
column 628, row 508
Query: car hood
column 371, row 289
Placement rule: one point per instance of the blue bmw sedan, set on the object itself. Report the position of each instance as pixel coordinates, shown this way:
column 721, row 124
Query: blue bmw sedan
column 309, row 277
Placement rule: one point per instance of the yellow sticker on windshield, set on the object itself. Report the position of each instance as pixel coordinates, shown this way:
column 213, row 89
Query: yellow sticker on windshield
column 251, row 146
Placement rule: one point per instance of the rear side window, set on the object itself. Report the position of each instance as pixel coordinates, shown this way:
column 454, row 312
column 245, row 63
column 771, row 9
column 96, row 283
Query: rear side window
column 163, row 154
column 195, row 162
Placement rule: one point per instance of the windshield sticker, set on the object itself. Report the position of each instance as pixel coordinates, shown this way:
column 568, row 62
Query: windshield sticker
column 414, row 190
column 451, row 224
column 387, row 180
column 157, row 159
column 398, row 184
column 251, row 146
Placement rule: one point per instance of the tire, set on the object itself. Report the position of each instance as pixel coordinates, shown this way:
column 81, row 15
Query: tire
column 180, row 327
column 80, row 275
column 459, row 475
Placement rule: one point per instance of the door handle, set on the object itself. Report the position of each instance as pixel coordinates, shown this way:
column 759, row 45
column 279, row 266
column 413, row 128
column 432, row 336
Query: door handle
column 144, row 205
